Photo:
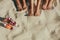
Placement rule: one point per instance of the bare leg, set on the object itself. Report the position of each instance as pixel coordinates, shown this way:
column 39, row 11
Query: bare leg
column 50, row 4
column 45, row 5
column 35, row 5
column 31, row 11
column 37, row 12
column 24, row 4
column 35, row 2
column 19, row 5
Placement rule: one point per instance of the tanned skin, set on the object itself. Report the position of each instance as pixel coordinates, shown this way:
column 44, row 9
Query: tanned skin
column 48, row 4
column 31, row 10
column 22, row 6
column 38, row 6
column 34, row 8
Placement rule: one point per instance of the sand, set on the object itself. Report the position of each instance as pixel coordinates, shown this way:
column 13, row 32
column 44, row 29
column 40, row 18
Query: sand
column 43, row 27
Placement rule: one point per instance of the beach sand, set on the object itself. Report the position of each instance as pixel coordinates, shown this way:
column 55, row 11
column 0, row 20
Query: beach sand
column 43, row 27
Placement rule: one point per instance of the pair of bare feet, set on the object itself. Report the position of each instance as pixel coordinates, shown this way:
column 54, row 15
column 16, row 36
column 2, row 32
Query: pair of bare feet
column 34, row 8
column 48, row 4
column 22, row 6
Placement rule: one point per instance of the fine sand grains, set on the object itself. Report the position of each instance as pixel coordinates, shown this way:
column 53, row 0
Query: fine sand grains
column 43, row 27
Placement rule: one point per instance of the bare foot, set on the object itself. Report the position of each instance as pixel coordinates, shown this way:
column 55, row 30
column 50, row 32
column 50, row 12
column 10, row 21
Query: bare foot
column 25, row 5
column 31, row 10
column 37, row 12
column 50, row 5
column 31, row 13
column 19, row 5
column 19, row 8
column 25, row 8
column 45, row 5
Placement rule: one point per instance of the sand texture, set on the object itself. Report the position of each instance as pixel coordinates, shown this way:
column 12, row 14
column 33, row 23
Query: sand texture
column 43, row 27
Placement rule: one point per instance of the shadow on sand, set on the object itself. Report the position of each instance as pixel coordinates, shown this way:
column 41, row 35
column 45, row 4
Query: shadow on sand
column 1, row 19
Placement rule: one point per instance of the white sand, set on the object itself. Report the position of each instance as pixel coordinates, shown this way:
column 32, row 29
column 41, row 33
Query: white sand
column 44, row 27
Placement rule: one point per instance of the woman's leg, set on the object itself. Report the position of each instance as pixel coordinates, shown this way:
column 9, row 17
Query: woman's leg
column 19, row 5
column 35, row 2
column 50, row 4
column 24, row 4
column 45, row 5
column 37, row 12
column 31, row 10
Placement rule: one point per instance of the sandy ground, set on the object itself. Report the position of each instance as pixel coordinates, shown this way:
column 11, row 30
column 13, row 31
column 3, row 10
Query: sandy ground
column 43, row 27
